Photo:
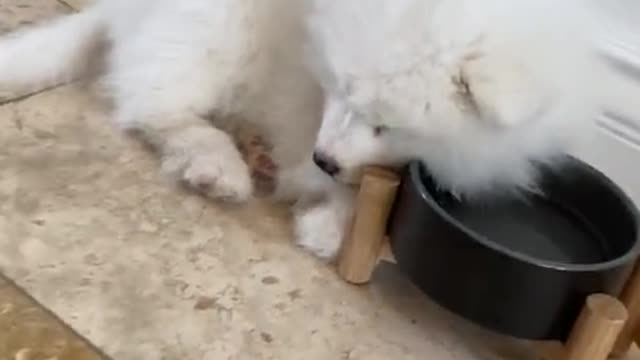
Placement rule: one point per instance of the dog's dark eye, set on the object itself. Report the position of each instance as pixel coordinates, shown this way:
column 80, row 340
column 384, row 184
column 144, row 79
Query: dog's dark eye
column 379, row 130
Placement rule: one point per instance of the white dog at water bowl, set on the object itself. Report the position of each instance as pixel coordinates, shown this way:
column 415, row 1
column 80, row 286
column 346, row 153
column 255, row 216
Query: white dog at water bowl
column 476, row 89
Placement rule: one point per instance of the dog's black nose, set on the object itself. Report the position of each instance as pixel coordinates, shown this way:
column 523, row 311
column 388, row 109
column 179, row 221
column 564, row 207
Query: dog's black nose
column 326, row 163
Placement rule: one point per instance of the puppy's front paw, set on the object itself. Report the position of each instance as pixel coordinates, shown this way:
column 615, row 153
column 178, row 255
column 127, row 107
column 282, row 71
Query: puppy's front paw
column 219, row 177
column 211, row 165
column 320, row 230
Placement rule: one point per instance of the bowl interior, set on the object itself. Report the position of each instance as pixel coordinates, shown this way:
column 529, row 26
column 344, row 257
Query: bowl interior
column 577, row 218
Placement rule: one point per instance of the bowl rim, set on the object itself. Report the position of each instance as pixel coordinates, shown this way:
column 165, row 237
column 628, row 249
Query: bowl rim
column 417, row 168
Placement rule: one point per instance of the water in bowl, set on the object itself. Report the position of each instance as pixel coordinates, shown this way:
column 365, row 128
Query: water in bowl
column 535, row 227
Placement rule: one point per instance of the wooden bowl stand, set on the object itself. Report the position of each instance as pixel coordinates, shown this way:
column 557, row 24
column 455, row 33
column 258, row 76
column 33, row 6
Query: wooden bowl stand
column 607, row 326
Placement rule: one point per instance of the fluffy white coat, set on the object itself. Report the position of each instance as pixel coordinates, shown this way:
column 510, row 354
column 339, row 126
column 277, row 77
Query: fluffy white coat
column 478, row 90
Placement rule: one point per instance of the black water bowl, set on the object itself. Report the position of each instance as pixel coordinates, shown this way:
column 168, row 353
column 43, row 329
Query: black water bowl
column 519, row 266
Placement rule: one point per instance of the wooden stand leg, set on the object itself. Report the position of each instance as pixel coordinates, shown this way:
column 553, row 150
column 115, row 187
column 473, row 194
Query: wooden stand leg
column 362, row 247
column 631, row 299
column 596, row 329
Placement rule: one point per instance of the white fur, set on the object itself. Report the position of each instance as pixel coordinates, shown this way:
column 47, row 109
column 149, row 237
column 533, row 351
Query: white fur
column 476, row 89
column 34, row 59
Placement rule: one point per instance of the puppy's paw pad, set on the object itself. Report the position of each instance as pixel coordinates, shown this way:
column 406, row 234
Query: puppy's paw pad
column 320, row 231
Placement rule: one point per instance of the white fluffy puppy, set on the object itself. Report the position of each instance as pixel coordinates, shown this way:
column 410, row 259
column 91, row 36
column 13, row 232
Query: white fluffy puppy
column 477, row 89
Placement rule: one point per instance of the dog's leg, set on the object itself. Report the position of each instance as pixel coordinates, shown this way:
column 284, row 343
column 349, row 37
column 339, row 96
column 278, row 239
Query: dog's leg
column 197, row 154
column 166, row 79
column 192, row 150
column 320, row 226
column 203, row 157
column 322, row 208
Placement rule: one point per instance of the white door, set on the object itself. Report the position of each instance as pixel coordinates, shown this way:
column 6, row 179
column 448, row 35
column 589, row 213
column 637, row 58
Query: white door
column 616, row 148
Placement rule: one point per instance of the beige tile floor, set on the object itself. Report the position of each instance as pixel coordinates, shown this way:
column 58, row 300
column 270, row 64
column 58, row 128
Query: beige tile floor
column 146, row 271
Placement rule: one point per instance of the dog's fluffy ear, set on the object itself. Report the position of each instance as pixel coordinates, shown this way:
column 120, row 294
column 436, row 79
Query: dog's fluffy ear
column 501, row 91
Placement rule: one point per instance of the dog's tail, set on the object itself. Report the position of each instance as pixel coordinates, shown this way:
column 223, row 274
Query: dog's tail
column 49, row 54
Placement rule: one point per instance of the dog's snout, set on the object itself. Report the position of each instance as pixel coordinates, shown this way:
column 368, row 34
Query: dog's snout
column 326, row 163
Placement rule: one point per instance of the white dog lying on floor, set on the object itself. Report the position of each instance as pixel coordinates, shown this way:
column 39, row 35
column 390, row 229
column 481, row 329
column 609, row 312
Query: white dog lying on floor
column 476, row 89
